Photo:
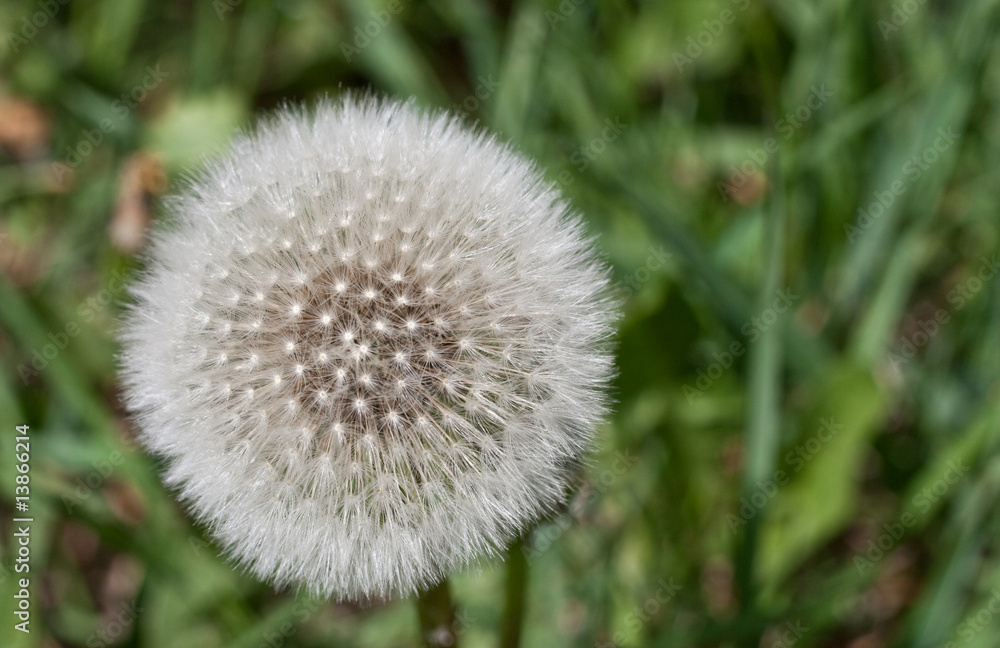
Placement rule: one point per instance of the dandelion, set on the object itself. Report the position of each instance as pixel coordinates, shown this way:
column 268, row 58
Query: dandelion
column 371, row 346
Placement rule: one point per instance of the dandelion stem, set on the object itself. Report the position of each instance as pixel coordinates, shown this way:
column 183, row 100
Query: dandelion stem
column 514, row 603
column 437, row 616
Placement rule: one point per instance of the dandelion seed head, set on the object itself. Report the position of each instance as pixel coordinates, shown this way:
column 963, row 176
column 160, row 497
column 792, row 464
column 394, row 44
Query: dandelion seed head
column 371, row 347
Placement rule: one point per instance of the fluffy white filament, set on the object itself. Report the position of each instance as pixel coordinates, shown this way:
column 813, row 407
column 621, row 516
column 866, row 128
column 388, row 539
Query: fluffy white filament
column 370, row 346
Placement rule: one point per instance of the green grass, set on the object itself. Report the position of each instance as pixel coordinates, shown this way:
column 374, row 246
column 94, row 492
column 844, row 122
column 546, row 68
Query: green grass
column 717, row 485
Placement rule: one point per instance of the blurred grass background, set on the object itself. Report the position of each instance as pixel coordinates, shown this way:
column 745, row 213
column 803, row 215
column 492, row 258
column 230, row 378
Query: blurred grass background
column 800, row 199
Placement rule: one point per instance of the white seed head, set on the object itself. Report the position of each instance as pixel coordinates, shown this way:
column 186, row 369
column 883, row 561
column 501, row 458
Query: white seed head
column 371, row 345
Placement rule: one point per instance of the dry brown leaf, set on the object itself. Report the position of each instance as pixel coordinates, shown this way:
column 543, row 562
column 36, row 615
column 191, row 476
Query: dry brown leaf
column 24, row 128
column 142, row 177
